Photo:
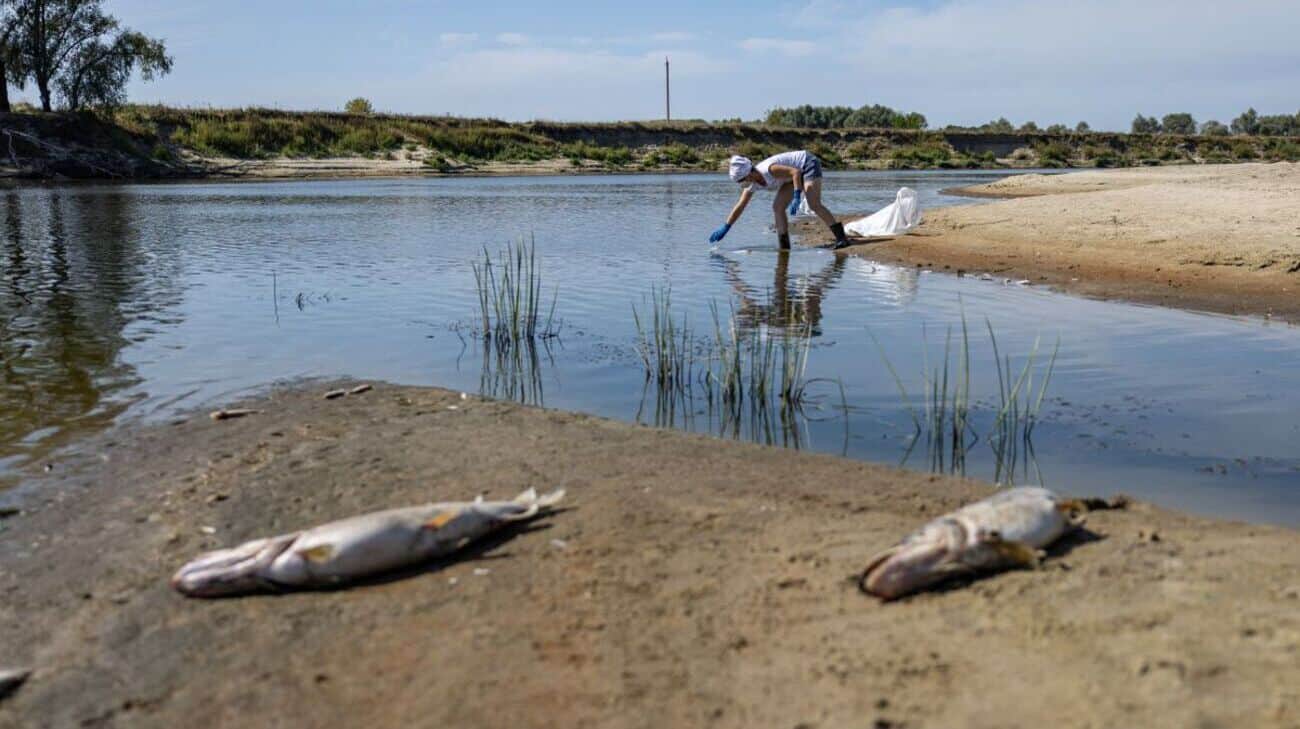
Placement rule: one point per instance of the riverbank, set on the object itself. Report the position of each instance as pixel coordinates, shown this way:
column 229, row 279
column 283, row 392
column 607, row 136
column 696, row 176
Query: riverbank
column 687, row 581
column 1215, row 238
column 154, row 142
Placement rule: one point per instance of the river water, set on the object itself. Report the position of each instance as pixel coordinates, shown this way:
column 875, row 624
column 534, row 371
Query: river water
column 122, row 302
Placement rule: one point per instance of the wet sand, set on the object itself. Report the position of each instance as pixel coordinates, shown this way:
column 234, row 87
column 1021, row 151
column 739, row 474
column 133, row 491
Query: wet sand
column 1222, row 238
column 687, row 582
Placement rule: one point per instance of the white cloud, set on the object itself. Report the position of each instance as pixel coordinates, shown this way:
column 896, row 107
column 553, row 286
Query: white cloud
column 512, row 39
column 457, row 39
column 782, row 46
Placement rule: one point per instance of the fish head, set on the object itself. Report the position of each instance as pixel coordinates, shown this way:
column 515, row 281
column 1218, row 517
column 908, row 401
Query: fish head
column 231, row 571
column 919, row 561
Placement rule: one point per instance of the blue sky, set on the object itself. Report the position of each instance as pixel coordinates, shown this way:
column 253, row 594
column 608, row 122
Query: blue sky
column 956, row 61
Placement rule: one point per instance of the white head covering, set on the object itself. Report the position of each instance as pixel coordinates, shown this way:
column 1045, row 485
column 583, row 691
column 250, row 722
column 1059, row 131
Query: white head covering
column 739, row 168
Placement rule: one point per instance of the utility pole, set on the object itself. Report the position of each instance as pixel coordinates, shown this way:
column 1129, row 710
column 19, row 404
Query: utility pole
column 668, row 106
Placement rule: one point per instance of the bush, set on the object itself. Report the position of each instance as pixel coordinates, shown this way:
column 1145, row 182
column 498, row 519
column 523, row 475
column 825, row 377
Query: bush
column 926, row 154
column 827, row 155
column 860, row 149
column 359, row 106
column 1243, row 150
column 680, row 155
column 757, row 151
column 1281, row 151
column 1054, row 153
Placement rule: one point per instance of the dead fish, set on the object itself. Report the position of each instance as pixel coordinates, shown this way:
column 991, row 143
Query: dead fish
column 232, row 413
column 11, row 679
column 1008, row 529
column 350, row 549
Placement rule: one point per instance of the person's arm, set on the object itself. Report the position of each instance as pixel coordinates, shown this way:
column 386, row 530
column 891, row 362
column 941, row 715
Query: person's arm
column 740, row 205
column 736, row 211
column 796, row 176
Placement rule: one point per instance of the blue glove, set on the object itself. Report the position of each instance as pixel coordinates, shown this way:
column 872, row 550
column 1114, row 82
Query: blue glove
column 720, row 233
column 794, row 204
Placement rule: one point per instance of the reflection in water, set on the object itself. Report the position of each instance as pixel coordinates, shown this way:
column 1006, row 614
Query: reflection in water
column 514, row 371
column 784, row 306
column 72, row 272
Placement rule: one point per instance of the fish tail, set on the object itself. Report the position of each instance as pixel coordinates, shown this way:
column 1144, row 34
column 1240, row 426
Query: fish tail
column 534, row 503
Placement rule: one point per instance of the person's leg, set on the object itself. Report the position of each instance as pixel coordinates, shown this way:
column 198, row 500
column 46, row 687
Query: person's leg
column 813, row 190
column 780, row 201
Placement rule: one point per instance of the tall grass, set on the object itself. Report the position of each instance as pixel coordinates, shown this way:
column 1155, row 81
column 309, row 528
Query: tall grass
column 510, row 296
column 944, row 420
column 666, row 347
column 1018, row 408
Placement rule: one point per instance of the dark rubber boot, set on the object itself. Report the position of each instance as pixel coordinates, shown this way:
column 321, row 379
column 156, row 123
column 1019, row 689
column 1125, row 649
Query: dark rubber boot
column 841, row 240
column 783, row 240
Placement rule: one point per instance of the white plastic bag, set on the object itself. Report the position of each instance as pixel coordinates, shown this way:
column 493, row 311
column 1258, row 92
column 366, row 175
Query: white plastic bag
column 896, row 218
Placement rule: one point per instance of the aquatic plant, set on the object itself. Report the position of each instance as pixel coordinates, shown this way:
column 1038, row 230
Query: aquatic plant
column 666, row 347
column 1019, row 405
column 510, row 296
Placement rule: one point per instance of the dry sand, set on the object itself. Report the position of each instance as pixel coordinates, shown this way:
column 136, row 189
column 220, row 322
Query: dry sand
column 689, row 582
column 1222, row 238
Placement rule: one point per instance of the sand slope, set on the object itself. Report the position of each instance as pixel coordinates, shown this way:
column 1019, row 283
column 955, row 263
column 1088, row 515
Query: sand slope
column 689, row 582
column 1221, row 238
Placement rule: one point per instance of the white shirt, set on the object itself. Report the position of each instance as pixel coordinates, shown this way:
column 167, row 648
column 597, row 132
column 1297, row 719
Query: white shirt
column 797, row 159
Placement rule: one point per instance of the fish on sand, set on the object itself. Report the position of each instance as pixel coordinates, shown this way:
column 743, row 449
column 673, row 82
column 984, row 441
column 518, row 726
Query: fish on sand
column 1008, row 529
column 350, row 549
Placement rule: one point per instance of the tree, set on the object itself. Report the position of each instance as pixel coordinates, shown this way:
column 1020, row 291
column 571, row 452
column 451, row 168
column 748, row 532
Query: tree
column 1146, row 125
column 359, row 105
column 1247, row 123
column 1058, row 129
column 1214, row 128
column 74, row 47
column 11, row 69
column 1029, row 127
column 999, row 126
column 1082, row 127
column 1179, row 123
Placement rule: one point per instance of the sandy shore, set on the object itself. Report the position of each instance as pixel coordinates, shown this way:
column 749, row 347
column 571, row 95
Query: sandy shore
column 689, row 582
column 1222, row 238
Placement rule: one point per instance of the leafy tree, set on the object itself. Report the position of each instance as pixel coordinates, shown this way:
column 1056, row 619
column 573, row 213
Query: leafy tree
column 1280, row 125
column 839, row 117
column 1214, row 128
column 11, row 69
column 1146, row 125
column 1000, row 126
column 1082, row 127
column 1247, row 123
column 1058, row 129
column 1029, row 127
column 359, row 105
column 74, row 47
column 1179, row 123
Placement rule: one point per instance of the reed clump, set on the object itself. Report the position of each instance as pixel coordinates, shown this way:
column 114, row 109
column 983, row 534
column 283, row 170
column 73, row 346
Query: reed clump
column 509, row 291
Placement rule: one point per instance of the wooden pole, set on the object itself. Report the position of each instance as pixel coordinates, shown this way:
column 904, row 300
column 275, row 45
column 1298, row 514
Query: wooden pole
column 668, row 106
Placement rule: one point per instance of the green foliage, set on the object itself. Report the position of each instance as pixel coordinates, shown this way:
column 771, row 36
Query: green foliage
column 1179, row 123
column 1247, row 123
column 1145, row 125
column 1214, row 128
column 1082, row 127
column 827, row 154
column 926, row 154
column 1282, row 151
column 757, row 150
column 1058, row 129
column 999, row 126
column 1054, row 154
column 841, row 117
column 1280, row 125
column 1029, row 127
column 1100, row 155
column 1244, row 150
column 680, row 155
column 359, row 105
column 612, row 156
column 75, row 49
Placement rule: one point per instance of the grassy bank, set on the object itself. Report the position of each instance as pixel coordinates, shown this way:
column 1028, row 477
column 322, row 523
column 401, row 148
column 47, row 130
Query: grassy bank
column 152, row 141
